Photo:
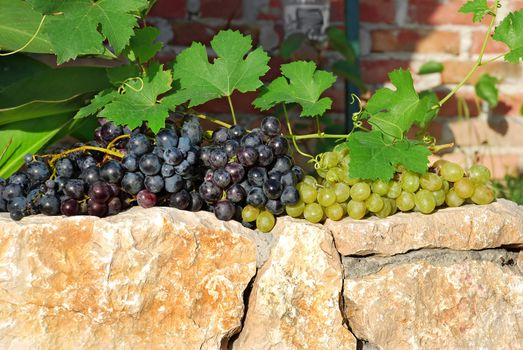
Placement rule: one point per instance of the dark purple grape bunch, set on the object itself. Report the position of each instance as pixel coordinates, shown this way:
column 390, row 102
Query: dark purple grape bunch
column 164, row 171
column 249, row 168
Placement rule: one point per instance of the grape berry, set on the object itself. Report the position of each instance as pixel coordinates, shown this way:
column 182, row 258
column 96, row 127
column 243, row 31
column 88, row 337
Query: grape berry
column 238, row 175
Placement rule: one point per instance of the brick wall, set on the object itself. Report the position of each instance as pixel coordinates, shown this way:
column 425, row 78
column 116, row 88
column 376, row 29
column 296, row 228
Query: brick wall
column 394, row 33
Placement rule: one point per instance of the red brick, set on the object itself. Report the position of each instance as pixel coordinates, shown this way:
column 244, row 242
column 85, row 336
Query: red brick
column 169, row 9
column 455, row 71
column 338, row 99
column 376, row 71
column 337, row 13
column 450, row 108
column 509, row 105
column 381, row 11
column 377, row 11
column 436, row 12
column 407, row 40
column 514, row 5
column 226, row 9
column 273, row 11
column 185, row 32
column 492, row 45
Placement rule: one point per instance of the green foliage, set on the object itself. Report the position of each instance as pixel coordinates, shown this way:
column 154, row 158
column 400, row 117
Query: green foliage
column 142, row 46
column 373, row 157
column 486, row 89
column 46, row 92
column 394, row 112
column 137, row 104
column 36, row 106
column 431, row 67
column 83, row 25
column 234, row 68
column 291, row 44
column 19, row 22
column 479, row 9
column 510, row 188
column 301, row 83
column 509, row 32
column 26, row 136
column 338, row 41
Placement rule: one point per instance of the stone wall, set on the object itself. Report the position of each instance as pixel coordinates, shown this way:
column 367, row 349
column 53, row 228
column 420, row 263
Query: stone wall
column 162, row 278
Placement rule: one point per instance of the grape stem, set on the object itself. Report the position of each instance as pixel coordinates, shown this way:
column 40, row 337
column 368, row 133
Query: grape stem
column 478, row 63
column 29, row 41
column 213, row 120
column 291, row 135
column 116, row 139
column 232, row 110
column 437, row 148
column 55, row 157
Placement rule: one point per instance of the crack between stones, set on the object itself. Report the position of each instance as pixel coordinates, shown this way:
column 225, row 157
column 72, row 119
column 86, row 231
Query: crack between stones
column 356, row 267
column 341, row 299
column 228, row 342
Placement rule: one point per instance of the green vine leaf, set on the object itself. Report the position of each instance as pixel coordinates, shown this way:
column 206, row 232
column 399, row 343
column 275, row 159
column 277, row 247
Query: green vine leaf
column 509, row 32
column 479, row 9
column 394, row 112
column 486, row 89
column 82, row 25
column 431, row 67
column 18, row 23
column 234, row 68
column 97, row 103
column 301, row 83
column 139, row 102
column 372, row 157
column 142, row 46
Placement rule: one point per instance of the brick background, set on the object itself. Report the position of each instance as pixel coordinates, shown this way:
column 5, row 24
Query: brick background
column 394, row 34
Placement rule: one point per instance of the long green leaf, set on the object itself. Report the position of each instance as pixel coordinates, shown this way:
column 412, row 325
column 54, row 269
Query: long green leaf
column 40, row 109
column 18, row 23
column 54, row 85
column 20, row 138
column 18, row 67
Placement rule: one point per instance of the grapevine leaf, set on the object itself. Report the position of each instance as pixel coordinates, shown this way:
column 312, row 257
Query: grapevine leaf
column 117, row 75
column 394, row 112
column 18, row 23
column 431, row 67
column 142, row 46
column 32, row 135
column 486, row 89
column 477, row 7
column 139, row 101
column 75, row 30
column 97, row 103
column 45, row 6
column 301, row 83
column 291, row 43
column 339, row 42
column 204, row 81
column 521, row 110
column 372, row 157
column 509, row 32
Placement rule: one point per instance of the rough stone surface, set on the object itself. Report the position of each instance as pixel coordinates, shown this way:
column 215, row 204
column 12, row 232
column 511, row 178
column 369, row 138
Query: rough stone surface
column 144, row 279
column 295, row 299
column 436, row 300
column 470, row 227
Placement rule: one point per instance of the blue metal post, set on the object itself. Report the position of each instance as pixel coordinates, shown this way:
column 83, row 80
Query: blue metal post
column 352, row 29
